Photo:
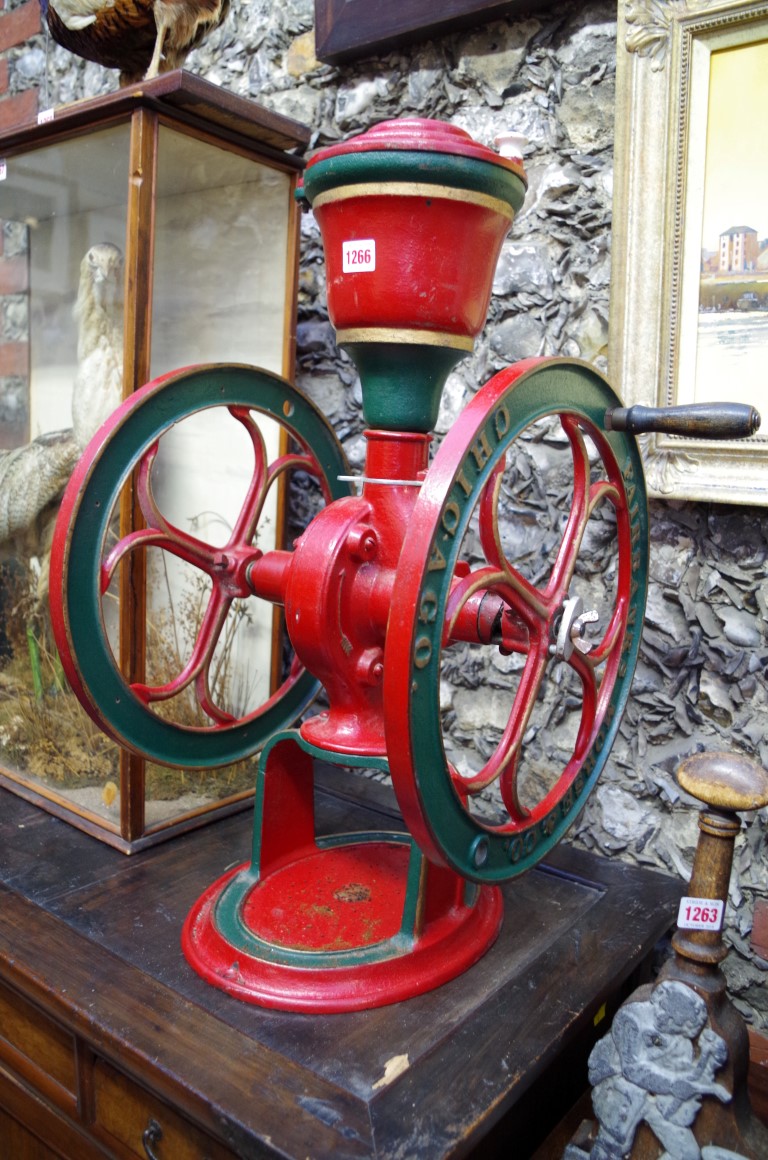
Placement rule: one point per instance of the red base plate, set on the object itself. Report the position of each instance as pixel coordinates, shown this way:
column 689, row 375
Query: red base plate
column 329, row 924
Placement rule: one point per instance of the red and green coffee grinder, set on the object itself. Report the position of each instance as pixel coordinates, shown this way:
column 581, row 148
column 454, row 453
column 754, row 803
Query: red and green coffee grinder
column 379, row 590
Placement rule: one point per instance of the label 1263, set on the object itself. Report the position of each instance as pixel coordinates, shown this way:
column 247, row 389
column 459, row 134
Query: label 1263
column 700, row 914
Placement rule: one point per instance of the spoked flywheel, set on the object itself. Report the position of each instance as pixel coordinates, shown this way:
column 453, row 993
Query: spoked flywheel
column 525, row 564
column 211, row 457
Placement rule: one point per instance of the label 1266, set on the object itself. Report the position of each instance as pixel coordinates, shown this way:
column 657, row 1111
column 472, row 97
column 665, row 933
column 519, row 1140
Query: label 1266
column 358, row 255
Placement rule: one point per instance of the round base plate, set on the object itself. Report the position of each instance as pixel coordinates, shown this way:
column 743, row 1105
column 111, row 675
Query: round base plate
column 326, row 932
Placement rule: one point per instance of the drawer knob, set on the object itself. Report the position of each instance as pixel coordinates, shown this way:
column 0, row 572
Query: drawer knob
column 151, row 1136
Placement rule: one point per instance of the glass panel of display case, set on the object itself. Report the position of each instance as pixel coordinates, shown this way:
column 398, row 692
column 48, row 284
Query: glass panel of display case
column 219, row 290
column 63, row 212
column 220, row 257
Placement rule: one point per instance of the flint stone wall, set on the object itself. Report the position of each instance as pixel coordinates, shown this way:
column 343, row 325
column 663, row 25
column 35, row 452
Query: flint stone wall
column 701, row 681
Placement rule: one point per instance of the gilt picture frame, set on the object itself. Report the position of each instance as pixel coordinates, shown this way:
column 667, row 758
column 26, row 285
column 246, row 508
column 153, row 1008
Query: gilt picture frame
column 689, row 299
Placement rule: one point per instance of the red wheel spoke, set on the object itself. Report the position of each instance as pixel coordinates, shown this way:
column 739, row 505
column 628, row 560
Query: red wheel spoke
column 264, row 476
column 161, row 533
column 527, row 600
column 206, row 702
column 181, row 543
column 611, row 637
column 202, row 653
column 153, row 517
column 591, row 719
column 570, row 543
column 503, row 761
column 291, row 462
column 191, row 550
column 186, row 546
column 595, row 696
column 589, row 706
column 537, row 609
column 248, row 518
column 488, row 511
column 601, row 490
column 298, row 461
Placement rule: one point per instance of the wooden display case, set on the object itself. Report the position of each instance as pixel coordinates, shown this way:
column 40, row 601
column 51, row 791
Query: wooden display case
column 147, row 230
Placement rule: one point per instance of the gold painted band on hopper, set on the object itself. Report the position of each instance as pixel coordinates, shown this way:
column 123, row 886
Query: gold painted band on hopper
column 413, row 189
column 414, row 337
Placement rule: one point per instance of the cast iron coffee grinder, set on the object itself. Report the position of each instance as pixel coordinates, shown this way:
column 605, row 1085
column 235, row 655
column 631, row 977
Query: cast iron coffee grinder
column 378, row 589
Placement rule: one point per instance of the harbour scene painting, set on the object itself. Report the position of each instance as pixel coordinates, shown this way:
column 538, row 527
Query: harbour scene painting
column 732, row 338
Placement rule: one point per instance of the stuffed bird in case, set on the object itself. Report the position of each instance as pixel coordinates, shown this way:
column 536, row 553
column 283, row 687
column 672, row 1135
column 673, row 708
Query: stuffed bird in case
column 141, row 38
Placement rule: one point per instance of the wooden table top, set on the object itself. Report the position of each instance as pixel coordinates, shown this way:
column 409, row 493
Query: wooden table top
column 94, row 937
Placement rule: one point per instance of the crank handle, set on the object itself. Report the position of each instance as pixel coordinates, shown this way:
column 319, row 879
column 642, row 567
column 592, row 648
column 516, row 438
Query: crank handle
column 695, row 420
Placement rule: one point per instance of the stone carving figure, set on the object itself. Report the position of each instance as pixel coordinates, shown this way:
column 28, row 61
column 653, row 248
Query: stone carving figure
column 655, row 1065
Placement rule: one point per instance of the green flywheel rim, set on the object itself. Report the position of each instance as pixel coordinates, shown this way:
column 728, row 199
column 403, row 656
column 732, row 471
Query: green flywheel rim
column 138, row 424
column 431, row 806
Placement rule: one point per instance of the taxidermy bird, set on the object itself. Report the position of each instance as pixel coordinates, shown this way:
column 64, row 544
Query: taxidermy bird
column 141, row 38
column 98, row 385
column 33, row 477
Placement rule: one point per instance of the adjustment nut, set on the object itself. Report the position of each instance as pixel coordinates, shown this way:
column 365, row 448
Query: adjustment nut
column 362, row 543
column 369, row 667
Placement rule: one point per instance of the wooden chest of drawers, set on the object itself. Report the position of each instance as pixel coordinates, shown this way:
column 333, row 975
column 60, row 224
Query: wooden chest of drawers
column 74, row 1102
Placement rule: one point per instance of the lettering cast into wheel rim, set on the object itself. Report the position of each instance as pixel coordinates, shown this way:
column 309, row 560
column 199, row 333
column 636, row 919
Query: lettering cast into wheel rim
column 499, row 413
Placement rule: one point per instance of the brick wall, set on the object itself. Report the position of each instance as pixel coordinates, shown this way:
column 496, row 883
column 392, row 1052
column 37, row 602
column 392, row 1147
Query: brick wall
column 14, row 334
column 18, row 24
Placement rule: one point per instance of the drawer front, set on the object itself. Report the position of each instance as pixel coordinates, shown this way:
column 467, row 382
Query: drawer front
column 31, row 1128
column 34, row 1046
column 146, row 1126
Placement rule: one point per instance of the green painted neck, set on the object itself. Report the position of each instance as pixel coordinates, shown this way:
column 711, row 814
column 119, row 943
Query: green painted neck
column 402, row 382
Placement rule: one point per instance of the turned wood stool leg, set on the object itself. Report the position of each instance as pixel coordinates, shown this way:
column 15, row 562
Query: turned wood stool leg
column 726, row 783
column 670, row 1079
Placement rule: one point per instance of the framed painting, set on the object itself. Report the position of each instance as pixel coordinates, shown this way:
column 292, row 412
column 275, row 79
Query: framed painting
column 347, row 29
column 689, row 308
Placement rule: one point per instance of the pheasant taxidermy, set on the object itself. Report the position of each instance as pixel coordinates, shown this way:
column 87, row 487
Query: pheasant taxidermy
column 141, row 38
